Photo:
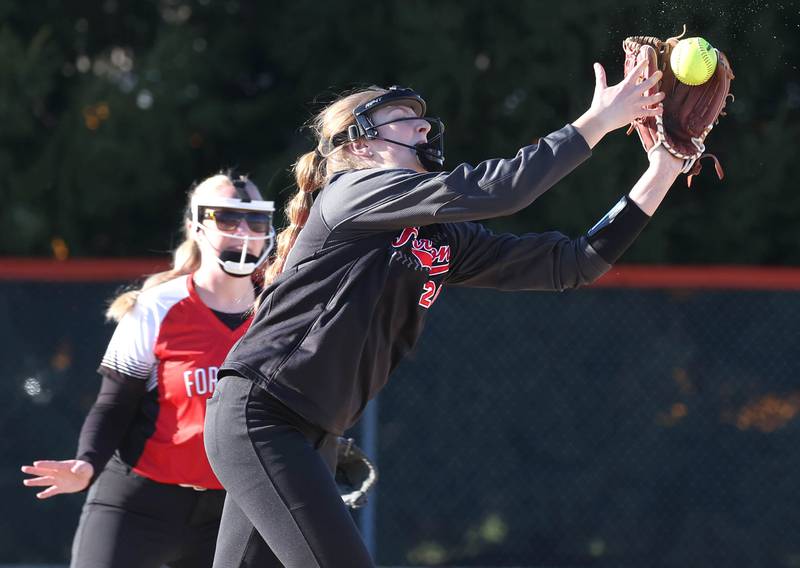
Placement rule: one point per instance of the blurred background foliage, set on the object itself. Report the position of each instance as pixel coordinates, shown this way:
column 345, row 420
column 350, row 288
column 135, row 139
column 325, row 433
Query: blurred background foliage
column 110, row 109
column 673, row 451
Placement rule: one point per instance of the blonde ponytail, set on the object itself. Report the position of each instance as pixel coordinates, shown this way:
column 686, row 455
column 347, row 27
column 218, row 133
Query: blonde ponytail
column 310, row 176
column 185, row 260
column 313, row 169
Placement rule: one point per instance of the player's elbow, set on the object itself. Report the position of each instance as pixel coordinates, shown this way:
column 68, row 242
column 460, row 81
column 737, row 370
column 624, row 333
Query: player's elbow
column 579, row 265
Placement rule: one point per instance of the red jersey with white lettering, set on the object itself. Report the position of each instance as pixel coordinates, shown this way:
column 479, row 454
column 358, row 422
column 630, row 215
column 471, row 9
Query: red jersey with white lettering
column 175, row 343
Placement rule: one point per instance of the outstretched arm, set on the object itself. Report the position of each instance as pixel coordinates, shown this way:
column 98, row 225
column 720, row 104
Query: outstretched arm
column 652, row 187
column 553, row 261
column 104, row 427
column 390, row 199
column 620, row 227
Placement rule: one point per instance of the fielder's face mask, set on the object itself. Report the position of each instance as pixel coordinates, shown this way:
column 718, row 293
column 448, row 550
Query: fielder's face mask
column 430, row 154
column 227, row 213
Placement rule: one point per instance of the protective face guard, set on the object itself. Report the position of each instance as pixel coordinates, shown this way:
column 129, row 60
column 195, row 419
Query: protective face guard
column 430, row 153
column 234, row 263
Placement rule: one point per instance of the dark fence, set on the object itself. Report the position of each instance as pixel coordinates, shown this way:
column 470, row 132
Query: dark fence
column 604, row 427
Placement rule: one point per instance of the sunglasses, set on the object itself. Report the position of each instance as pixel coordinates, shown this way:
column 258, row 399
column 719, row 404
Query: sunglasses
column 227, row 219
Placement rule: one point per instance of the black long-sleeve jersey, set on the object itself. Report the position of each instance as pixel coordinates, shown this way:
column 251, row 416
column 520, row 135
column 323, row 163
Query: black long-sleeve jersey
column 377, row 250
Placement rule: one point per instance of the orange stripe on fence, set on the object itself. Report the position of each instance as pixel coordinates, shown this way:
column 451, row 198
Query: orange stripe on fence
column 80, row 270
column 624, row 276
column 701, row 277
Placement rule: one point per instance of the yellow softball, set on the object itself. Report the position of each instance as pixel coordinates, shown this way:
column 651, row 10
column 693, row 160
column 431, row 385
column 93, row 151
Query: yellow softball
column 693, row 61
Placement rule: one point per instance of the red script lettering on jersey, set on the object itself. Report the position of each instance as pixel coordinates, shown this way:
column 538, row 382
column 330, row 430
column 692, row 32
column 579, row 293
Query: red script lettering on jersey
column 435, row 259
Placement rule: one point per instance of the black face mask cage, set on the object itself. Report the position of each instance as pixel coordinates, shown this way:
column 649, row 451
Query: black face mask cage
column 430, row 153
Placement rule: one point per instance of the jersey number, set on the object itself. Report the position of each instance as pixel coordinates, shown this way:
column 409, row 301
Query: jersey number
column 429, row 294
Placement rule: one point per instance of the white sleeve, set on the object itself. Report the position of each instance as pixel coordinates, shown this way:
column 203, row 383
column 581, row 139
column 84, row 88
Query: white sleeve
column 131, row 349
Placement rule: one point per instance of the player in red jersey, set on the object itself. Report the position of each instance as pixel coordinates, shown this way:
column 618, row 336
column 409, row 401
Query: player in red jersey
column 153, row 499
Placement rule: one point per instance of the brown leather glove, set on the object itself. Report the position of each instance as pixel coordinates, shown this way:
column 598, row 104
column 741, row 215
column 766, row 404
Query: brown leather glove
column 690, row 112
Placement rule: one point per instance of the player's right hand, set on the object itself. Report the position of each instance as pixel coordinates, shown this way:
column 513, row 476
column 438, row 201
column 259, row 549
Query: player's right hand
column 66, row 476
column 618, row 105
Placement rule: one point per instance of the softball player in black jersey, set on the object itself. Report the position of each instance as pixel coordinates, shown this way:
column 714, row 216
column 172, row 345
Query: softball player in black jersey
column 354, row 276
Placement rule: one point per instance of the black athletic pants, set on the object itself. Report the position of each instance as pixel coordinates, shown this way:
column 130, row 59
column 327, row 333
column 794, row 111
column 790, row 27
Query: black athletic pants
column 129, row 521
column 277, row 470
